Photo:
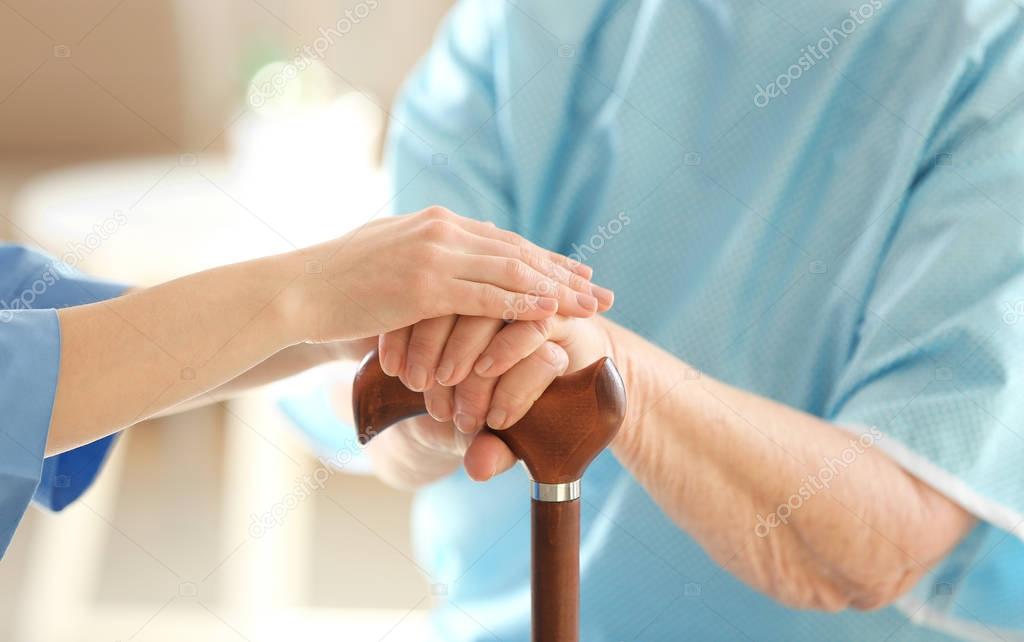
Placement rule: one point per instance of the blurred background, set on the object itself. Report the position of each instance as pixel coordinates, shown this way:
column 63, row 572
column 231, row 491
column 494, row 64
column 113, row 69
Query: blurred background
column 142, row 139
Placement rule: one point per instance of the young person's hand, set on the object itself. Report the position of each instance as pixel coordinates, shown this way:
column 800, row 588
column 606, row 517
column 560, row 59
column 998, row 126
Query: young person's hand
column 161, row 348
column 395, row 272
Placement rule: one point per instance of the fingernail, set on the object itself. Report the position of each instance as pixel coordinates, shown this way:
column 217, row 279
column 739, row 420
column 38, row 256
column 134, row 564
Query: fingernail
column 496, row 418
column 583, row 270
column 483, row 365
column 417, row 377
column 442, row 410
column 586, row 301
column 549, row 305
column 390, row 363
column 444, row 372
column 604, row 294
column 464, row 422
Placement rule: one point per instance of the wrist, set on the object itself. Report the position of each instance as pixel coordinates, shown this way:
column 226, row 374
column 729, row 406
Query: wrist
column 290, row 310
column 625, row 357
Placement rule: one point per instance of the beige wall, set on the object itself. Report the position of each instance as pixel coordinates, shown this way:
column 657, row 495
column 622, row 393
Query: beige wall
column 78, row 80
column 109, row 77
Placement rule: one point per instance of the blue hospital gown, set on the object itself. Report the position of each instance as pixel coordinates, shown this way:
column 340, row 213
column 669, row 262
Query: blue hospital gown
column 32, row 285
column 820, row 207
column 823, row 209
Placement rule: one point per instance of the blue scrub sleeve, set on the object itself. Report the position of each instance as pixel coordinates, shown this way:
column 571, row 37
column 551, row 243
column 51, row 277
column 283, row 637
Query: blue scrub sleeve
column 31, row 286
column 29, row 359
column 938, row 363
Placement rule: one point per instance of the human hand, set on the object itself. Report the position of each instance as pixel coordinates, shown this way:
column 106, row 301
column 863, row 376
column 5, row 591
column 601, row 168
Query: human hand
column 418, row 355
column 499, row 372
column 394, row 272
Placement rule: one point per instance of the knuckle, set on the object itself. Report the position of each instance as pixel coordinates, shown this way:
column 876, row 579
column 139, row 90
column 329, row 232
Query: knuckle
column 458, row 343
column 511, row 237
column 436, row 213
column 542, row 327
column 472, row 398
column 512, row 398
column 577, row 282
column 517, row 270
column 422, row 347
column 491, row 297
column 551, row 356
column 527, row 255
column 548, row 287
column 505, row 344
column 438, row 230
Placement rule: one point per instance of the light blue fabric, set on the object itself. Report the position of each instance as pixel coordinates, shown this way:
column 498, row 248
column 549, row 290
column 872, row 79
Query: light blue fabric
column 31, row 287
column 821, row 207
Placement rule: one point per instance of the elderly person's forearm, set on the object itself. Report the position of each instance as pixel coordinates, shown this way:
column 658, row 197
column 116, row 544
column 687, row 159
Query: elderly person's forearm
column 725, row 464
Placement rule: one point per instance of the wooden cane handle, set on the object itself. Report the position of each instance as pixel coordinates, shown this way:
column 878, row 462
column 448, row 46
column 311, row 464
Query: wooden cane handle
column 570, row 424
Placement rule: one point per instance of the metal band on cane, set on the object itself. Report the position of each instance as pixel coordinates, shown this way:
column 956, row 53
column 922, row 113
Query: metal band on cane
column 565, row 492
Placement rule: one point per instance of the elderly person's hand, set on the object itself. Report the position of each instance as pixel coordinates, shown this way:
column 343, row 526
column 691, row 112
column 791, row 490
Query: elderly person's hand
column 722, row 463
column 492, row 373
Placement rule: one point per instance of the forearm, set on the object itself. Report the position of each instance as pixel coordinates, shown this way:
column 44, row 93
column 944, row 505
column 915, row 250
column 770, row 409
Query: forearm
column 288, row 362
column 133, row 357
column 728, row 467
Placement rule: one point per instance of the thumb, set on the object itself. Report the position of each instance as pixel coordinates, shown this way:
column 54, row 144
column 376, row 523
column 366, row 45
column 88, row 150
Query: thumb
column 487, row 456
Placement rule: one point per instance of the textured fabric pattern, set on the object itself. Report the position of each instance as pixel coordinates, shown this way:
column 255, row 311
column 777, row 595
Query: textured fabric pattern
column 817, row 201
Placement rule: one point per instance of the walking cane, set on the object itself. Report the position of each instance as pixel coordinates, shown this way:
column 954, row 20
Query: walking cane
column 571, row 423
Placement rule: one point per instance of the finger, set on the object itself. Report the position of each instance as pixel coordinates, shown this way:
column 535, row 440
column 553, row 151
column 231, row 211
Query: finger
column 540, row 260
column 472, row 399
column 491, row 231
column 468, row 339
column 435, row 438
column 440, row 402
column 524, row 383
column 516, row 275
column 430, row 435
column 391, row 348
column 513, row 343
column 399, row 454
column 426, row 342
column 487, row 456
column 485, row 300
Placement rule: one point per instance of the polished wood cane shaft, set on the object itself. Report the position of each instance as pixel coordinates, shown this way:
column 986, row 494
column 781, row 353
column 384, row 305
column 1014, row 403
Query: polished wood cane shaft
column 555, row 579
column 569, row 425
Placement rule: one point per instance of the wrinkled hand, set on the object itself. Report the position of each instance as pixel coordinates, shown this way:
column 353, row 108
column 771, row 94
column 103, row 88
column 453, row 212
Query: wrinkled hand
column 486, row 371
